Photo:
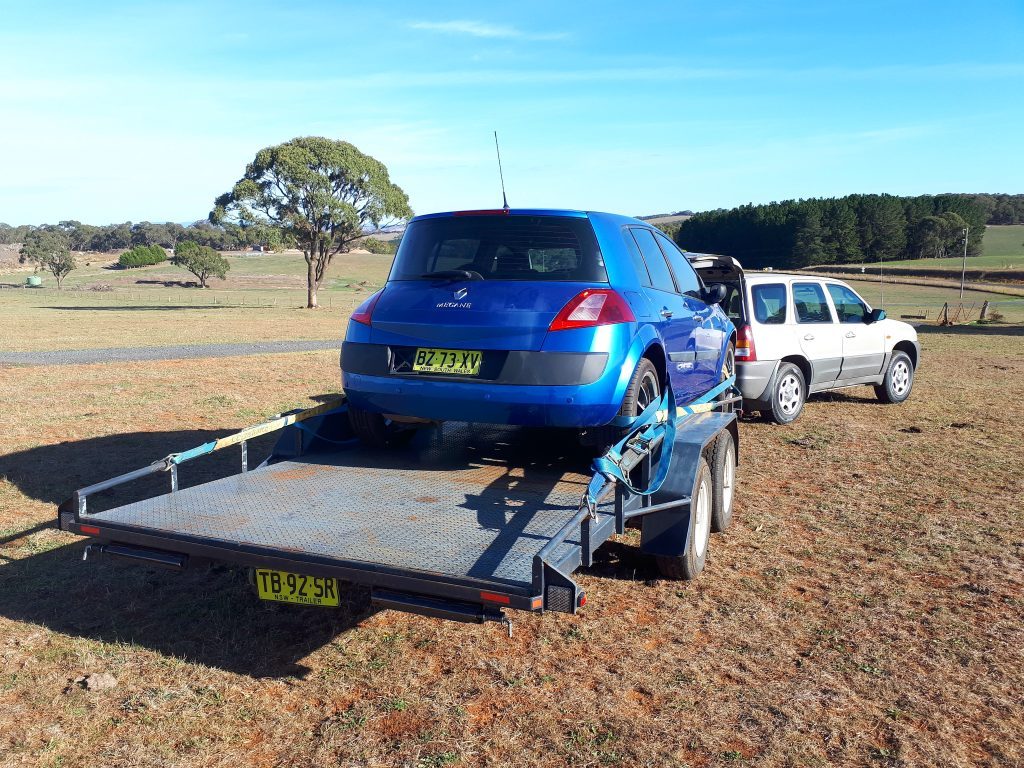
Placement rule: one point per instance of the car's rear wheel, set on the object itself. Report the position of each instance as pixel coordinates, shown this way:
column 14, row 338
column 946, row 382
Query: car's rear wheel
column 376, row 431
column 788, row 394
column 644, row 388
column 728, row 369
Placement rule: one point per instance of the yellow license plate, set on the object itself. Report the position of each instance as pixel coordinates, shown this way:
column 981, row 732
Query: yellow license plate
column 458, row 361
column 287, row 587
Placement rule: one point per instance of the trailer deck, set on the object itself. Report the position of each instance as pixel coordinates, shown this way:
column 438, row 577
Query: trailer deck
column 468, row 502
column 459, row 521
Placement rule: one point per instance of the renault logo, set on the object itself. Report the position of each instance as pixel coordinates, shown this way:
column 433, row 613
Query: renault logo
column 461, row 294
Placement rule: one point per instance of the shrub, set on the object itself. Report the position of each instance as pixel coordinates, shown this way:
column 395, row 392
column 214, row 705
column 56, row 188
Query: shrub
column 142, row 256
column 376, row 245
column 201, row 260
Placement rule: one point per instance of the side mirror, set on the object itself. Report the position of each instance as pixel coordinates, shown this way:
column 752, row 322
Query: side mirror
column 715, row 293
column 875, row 315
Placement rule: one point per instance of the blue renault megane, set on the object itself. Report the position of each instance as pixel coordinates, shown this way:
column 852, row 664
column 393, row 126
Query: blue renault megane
column 532, row 317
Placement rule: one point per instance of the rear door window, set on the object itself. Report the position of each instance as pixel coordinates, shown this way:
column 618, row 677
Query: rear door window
column 661, row 277
column 769, row 303
column 687, row 280
column 502, row 247
column 849, row 306
column 638, row 260
column 809, row 302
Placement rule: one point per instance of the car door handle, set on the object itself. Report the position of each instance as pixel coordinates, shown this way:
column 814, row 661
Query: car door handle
column 808, row 337
column 666, row 313
column 851, row 335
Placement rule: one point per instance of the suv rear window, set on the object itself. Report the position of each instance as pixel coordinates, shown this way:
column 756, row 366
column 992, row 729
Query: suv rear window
column 769, row 300
column 502, row 247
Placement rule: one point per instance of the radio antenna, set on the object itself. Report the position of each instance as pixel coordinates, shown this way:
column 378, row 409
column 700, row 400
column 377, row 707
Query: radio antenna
column 501, row 175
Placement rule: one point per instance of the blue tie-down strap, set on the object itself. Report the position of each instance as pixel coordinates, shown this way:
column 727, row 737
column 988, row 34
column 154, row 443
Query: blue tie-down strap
column 655, row 420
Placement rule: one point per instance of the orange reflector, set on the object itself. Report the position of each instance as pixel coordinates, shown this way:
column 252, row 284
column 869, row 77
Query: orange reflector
column 494, row 598
column 91, row 530
column 537, row 604
column 583, row 600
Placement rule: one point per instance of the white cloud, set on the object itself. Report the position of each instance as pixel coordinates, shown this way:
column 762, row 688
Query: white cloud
column 483, row 29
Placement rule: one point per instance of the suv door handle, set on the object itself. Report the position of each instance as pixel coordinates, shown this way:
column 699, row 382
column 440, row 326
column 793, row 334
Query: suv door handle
column 851, row 335
column 808, row 337
column 666, row 313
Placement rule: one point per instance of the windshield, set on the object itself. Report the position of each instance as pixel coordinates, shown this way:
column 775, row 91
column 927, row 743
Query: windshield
column 501, row 247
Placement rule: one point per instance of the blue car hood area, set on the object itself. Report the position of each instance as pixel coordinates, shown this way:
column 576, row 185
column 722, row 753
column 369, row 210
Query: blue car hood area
column 473, row 314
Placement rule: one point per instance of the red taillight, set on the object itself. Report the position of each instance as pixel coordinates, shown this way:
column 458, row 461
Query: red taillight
column 493, row 597
column 745, row 350
column 594, row 306
column 89, row 530
column 364, row 311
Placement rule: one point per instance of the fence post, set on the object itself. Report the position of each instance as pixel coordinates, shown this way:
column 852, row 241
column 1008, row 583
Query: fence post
column 984, row 312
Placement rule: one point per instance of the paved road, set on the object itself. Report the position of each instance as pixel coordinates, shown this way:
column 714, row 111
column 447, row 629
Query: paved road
column 178, row 352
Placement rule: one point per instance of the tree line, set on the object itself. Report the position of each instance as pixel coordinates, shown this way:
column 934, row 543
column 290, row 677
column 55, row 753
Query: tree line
column 116, row 237
column 844, row 230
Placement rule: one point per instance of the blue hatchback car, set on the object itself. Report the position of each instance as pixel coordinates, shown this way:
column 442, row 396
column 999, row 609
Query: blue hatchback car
column 548, row 318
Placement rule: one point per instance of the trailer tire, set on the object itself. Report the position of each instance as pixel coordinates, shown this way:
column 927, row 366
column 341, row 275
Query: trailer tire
column 375, row 431
column 723, row 472
column 688, row 565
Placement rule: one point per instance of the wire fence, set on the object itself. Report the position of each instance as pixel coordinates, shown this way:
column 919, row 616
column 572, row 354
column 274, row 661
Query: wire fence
column 283, row 298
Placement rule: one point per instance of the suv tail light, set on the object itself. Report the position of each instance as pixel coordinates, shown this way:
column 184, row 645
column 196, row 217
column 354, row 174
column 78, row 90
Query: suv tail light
column 745, row 350
column 364, row 311
column 594, row 306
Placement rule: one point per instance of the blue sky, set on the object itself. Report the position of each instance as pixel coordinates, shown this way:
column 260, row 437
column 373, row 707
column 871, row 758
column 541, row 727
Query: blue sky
column 117, row 111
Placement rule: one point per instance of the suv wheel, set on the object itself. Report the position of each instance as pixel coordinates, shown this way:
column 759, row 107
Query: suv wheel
column 788, row 394
column 899, row 380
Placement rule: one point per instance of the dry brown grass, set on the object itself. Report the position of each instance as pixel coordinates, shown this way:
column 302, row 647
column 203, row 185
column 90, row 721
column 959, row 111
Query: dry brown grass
column 864, row 609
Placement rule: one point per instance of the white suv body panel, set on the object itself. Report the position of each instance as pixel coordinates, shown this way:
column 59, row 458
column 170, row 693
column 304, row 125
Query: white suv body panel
column 835, row 354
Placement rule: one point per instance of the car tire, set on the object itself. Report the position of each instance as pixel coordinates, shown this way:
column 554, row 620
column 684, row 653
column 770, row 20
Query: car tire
column 723, row 473
column 899, row 380
column 688, row 565
column 644, row 388
column 728, row 369
column 375, row 431
column 789, row 393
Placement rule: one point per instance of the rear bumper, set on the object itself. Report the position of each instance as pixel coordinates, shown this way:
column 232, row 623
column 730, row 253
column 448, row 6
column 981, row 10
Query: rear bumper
column 550, row 389
column 754, row 380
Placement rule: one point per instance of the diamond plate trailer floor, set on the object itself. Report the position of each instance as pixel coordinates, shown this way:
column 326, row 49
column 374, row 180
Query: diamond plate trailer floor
column 469, row 502
column 459, row 521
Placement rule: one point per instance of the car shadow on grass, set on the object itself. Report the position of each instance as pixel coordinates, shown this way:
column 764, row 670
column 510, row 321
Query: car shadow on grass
column 974, row 329
column 208, row 614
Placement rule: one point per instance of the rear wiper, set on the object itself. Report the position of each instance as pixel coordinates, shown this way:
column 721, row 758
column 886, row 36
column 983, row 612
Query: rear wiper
column 454, row 274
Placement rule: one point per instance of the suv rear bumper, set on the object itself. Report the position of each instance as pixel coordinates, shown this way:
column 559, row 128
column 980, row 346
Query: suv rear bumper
column 754, row 380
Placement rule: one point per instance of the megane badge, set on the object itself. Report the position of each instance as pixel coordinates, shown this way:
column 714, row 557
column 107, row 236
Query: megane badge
column 460, row 294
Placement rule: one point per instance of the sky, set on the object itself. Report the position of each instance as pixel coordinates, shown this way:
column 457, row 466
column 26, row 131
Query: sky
column 116, row 112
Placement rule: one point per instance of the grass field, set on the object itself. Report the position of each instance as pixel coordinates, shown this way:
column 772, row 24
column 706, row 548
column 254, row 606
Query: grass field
column 1002, row 249
column 865, row 608
column 262, row 300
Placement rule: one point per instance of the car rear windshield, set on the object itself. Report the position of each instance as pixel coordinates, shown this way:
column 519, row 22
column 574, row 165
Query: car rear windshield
column 502, row 247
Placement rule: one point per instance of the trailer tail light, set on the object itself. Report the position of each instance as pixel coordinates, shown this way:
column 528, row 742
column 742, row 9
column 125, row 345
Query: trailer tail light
column 89, row 530
column 364, row 311
column 493, row 597
column 745, row 350
column 594, row 306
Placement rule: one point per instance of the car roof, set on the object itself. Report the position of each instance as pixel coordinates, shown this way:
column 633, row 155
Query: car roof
column 767, row 275
column 608, row 217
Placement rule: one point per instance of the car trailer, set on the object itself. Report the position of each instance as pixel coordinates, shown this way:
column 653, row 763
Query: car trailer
column 459, row 522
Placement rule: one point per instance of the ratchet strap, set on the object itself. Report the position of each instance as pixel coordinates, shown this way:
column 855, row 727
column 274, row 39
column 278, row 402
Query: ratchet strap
column 645, row 429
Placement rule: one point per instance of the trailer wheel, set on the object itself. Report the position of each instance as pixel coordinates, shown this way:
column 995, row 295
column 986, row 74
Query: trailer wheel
column 375, row 431
column 723, row 471
column 688, row 565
